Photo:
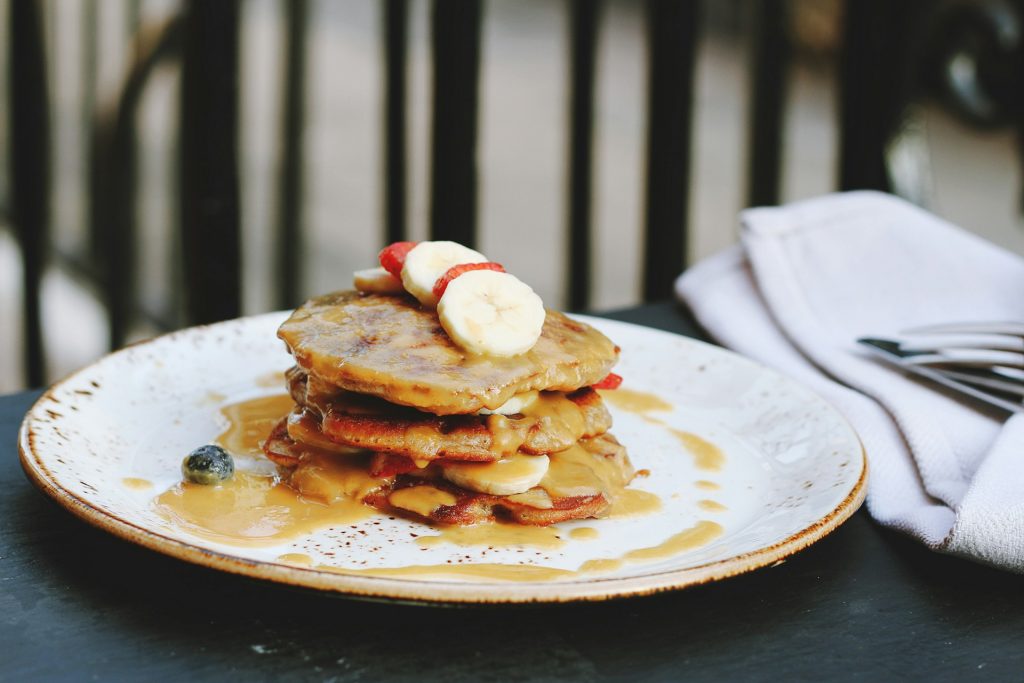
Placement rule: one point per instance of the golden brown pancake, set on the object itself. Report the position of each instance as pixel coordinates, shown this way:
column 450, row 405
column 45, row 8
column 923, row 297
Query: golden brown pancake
column 379, row 384
column 390, row 347
column 554, row 422
column 581, row 483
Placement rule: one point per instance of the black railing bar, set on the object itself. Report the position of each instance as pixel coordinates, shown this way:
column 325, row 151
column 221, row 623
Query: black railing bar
column 29, row 139
column 672, row 31
column 879, row 60
column 5, row 133
column 455, row 36
column 87, row 36
column 770, row 57
column 290, row 215
column 209, row 221
column 862, row 132
column 396, row 30
column 583, row 49
column 1020, row 143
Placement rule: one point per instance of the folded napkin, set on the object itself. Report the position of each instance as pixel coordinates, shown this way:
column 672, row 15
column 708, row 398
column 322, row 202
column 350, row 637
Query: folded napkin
column 810, row 278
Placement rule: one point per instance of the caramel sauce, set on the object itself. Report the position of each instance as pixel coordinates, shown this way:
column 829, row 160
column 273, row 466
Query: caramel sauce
column 634, row 503
column 136, row 483
column 707, row 485
column 551, row 412
column 505, row 438
column 252, row 510
column 330, row 478
column 690, row 539
column 577, row 472
column 706, row 455
column 322, row 481
column 696, row 536
column 711, row 505
column 496, row 535
column 556, row 414
column 326, row 489
column 296, row 558
column 699, row 535
column 422, row 500
column 635, row 401
column 601, row 566
column 270, row 380
column 249, row 422
column 584, row 533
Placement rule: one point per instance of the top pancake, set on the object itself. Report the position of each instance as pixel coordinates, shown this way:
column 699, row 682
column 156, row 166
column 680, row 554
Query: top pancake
column 389, row 346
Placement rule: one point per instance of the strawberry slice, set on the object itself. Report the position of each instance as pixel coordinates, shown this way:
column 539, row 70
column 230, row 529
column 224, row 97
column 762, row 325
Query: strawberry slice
column 455, row 271
column 612, row 381
column 392, row 257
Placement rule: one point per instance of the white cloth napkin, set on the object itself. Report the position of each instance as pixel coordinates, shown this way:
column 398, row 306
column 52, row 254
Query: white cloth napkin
column 812, row 277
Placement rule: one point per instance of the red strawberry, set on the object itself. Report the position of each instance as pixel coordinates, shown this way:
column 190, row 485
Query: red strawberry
column 392, row 257
column 455, row 271
column 612, row 381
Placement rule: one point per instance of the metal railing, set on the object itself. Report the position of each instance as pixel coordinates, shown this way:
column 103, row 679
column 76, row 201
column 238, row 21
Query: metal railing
column 884, row 51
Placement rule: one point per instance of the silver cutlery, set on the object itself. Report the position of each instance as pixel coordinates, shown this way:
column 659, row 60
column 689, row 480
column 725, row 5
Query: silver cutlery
column 992, row 376
column 1008, row 328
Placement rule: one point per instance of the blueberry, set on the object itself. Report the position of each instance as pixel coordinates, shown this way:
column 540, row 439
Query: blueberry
column 208, row 465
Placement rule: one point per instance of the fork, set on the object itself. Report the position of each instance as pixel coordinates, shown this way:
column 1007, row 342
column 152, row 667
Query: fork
column 983, row 360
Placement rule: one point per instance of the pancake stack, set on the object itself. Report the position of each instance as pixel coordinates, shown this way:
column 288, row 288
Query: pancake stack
column 429, row 430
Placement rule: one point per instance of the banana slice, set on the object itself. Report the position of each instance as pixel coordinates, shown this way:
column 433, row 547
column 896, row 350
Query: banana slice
column 508, row 476
column 376, row 281
column 514, row 405
column 492, row 313
column 428, row 261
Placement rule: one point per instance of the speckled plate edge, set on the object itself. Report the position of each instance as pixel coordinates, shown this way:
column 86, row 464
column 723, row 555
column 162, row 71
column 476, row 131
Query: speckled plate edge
column 420, row 591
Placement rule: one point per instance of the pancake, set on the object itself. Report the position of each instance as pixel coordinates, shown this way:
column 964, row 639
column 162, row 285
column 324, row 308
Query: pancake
column 582, row 482
column 392, row 348
column 389, row 411
column 553, row 422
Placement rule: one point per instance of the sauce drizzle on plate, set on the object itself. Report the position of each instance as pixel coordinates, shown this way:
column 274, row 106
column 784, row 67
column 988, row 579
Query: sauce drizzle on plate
column 256, row 509
column 249, row 422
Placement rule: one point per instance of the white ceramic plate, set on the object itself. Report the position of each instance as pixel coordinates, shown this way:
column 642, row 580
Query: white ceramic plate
column 793, row 469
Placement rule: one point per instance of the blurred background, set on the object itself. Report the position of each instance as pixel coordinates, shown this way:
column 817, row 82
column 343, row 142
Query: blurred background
column 313, row 133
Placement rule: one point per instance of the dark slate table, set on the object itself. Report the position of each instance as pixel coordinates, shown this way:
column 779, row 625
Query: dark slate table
column 863, row 604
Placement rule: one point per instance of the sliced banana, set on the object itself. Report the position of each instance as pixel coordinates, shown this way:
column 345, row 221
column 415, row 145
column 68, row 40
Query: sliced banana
column 514, row 405
column 377, row 281
column 428, row 261
column 515, row 474
column 492, row 313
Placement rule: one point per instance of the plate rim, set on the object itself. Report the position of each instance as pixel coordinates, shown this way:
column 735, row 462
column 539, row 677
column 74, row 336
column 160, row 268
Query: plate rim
column 423, row 591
